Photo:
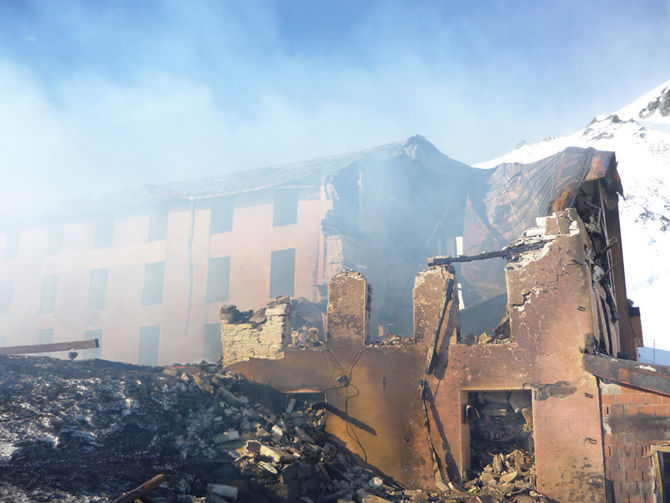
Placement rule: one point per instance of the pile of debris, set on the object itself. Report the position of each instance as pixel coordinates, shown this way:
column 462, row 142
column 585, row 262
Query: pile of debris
column 507, row 477
column 88, row 431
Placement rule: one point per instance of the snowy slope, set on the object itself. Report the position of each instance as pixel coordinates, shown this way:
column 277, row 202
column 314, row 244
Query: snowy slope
column 640, row 135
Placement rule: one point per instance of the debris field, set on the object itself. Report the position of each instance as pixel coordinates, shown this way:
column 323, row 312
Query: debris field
column 89, row 431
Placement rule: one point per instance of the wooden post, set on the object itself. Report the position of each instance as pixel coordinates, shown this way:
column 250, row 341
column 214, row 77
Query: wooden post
column 131, row 496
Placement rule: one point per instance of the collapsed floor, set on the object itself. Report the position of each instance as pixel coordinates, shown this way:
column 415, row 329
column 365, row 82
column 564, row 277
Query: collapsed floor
column 88, row 431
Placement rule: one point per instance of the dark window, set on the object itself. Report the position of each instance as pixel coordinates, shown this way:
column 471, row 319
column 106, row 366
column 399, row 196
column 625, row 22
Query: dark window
column 212, row 348
column 221, row 219
column 153, row 284
column 282, row 272
column 89, row 354
column 663, row 460
column 285, row 207
column 49, row 290
column 148, row 346
column 104, row 233
column 218, row 279
column 55, row 239
column 45, row 336
column 158, row 221
column 11, row 245
column 97, row 289
column 6, row 293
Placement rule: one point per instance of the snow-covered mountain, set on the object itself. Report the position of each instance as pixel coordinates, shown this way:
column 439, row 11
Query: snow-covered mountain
column 640, row 135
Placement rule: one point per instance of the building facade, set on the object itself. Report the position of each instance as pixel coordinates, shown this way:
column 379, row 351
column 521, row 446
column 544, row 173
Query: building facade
column 146, row 271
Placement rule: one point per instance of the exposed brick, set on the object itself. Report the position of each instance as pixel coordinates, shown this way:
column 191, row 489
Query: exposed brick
column 647, row 409
column 663, row 410
column 623, row 399
column 617, row 410
column 638, row 398
column 607, row 399
column 629, row 463
column 618, row 475
column 634, row 475
column 636, row 498
column 631, row 487
column 642, row 462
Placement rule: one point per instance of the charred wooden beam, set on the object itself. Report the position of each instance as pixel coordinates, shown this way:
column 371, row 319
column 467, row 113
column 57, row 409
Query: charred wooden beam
column 509, row 252
column 644, row 376
column 48, row 348
column 131, row 496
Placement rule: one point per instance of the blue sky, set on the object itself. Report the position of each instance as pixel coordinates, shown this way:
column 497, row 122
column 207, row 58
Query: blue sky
column 103, row 95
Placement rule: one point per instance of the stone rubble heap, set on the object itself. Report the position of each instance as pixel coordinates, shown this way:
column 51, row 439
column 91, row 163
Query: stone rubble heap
column 86, row 431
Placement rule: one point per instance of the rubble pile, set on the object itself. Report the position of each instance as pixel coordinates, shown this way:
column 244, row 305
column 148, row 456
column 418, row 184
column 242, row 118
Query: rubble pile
column 88, row 431
column 306, row 323
column 507, row 477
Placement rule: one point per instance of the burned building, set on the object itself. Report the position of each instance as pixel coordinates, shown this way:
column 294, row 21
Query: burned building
column 470, row 396
column 145, row 271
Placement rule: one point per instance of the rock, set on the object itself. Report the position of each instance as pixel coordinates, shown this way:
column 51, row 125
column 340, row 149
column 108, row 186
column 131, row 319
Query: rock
column 487, row 478
column 417, row 496
column 376, row 482
column 268, row 467
column 277, row 455
column 508, row 477
column 497, row 464
column 372, row 498
column 304, row 471
column 226, row 436
column 228, row 492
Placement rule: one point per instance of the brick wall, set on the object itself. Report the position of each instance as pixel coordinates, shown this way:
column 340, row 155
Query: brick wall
column 633, row 421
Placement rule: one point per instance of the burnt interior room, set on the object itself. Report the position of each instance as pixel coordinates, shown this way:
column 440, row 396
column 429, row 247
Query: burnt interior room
column 500, row 423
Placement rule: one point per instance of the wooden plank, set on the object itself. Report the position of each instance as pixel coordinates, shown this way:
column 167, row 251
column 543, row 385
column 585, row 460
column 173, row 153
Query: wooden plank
column 48, row 348
column 644, row 376
column 131, row 496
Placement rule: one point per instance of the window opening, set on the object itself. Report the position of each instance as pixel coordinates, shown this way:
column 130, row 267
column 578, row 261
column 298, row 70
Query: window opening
column 282, row 272
column 218, row 279
column 11, row 245
column 6, row 294
column 221, row 216
column 153, row 284
column 104, row 233
column 45, row 336
column 49, row 292
column 285, row 209
column 662, row 468
column 149, row 340
column 158, row 223
column 212, row 346
column 55, row 239
column 89, row 354
column 97, row 289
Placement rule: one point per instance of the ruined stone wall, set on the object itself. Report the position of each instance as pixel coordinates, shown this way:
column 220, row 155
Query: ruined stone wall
column 633, row 422
column 264, row 335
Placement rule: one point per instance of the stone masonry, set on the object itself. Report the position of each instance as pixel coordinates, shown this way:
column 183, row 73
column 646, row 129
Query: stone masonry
column 263, row 334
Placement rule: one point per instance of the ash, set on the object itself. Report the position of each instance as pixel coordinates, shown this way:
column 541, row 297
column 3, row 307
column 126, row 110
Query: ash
column 88, row 431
